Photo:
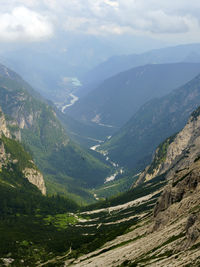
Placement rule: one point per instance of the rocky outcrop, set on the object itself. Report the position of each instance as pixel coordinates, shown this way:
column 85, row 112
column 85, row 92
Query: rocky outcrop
column 31, row 173
column 36, row 178
column 175, row 151
column 181, row 197
column 3, row 126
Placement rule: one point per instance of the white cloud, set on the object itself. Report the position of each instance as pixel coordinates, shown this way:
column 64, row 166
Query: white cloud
column 23, row 24
column 156, row 18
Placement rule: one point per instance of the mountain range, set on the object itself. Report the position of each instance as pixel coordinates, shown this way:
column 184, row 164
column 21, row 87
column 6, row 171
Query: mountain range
column 121, row 63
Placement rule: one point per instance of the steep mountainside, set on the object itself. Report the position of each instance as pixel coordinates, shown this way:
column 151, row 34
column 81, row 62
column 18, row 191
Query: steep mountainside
column 66, row 166
column 15, row 161
column 117, row 64
column 170, row 234
column 134, row 144
column 118, row 98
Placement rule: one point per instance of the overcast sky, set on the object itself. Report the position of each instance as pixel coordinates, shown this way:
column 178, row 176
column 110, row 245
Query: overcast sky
column 37, row 20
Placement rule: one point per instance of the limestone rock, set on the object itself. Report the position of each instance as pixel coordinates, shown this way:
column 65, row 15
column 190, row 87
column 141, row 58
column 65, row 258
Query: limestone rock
column 184, row 145
column 3, row 126
column 36, row 178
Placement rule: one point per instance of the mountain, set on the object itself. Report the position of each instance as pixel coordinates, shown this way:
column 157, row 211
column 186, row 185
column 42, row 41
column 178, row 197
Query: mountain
column 67, row 168
column 117, row 64
column 159, row 118
column 169, row 233
column 16, row 165
column 24, row 205
column 114, row 102
column 177, row 152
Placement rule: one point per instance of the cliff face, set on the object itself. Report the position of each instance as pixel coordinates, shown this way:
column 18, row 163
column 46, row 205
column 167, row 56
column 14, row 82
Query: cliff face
column 35, row 177
column 11, row 152
column 180, row 202
column 3, row 126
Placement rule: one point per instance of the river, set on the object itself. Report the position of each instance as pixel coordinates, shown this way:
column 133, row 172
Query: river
column 72, row 101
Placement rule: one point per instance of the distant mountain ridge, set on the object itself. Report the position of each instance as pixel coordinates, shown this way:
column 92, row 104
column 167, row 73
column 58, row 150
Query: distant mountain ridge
column 117, row 64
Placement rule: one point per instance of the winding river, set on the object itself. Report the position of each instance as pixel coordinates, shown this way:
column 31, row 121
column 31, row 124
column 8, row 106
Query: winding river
column 72, row 101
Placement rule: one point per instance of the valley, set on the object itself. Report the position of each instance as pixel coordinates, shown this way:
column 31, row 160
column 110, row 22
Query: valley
column 109, row 178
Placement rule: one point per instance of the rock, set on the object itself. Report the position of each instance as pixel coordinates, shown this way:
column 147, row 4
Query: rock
column 3, row 126
column 184, row 145
column 36, row 178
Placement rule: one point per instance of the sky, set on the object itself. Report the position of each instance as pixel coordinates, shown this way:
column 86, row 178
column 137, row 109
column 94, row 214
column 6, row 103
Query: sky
column 175, row 21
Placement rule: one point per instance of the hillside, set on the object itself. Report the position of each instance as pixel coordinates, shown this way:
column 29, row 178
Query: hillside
column 42, row 133
column 117, row 99
column 134, row 144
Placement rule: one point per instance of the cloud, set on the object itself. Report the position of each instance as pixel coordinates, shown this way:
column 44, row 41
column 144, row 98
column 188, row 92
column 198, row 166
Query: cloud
column 155, row 18
column 23, row 24
column 151, row 17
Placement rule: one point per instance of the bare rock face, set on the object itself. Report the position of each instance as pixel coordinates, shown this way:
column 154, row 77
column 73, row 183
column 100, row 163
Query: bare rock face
column 32, row 174
column 36, row 178
column 179, row 198
column 3, row 126
column 169, row 196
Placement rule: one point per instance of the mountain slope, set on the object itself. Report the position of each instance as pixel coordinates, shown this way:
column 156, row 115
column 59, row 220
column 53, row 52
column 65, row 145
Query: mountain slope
column 177, row 152
column 119, row 97
column 134, row 144
column 170, row 235
column 59, row 158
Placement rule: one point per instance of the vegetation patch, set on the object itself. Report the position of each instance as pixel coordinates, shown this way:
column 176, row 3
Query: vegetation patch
column 61, row 221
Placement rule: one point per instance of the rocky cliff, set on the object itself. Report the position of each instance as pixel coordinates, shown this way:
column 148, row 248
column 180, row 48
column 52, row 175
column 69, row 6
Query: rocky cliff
column 11, row 152
column 3, row 126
